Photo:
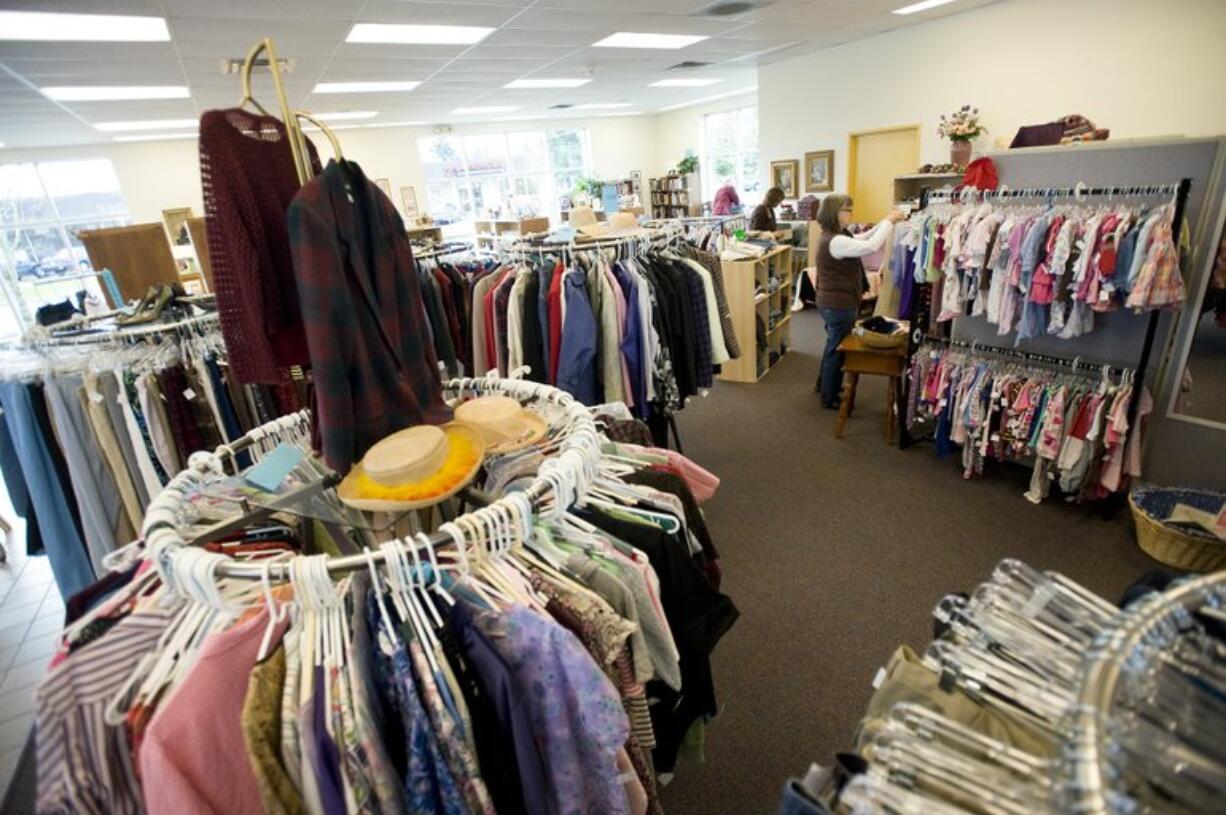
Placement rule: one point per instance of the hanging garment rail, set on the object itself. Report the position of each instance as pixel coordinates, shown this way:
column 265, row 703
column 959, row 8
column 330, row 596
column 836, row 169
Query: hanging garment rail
column 561, row 481
column 297, row 143
column 1076, row 364
column 1077, row 191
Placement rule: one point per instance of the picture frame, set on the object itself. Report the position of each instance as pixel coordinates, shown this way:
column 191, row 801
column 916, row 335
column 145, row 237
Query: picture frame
column 819, row 171
column 384, row 185
column 785, row 175
column 408, row 199
column 176, row 219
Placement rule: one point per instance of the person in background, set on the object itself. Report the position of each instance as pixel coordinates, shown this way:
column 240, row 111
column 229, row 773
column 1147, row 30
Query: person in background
column 763, row 217
column 726, row 200
column 840, row 277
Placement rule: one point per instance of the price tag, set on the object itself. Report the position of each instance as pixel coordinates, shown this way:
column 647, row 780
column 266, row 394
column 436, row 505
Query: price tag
column 273, row 468
column 879, row 678
column 189, row 394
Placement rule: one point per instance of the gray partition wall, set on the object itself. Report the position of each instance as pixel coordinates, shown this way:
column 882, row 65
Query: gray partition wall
column 1179, row 450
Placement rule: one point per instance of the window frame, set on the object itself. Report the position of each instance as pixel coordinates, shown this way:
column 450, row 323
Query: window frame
column 748, row 197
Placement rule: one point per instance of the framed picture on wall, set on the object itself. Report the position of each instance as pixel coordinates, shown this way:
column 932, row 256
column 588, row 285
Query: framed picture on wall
column 385, row 185
column 819, row 171
column 408, row 199
column 176, row 225
column 784, row 176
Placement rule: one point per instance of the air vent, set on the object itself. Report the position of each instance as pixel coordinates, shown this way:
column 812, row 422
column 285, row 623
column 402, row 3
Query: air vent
column 689, row 65
column 562, row 106
column 730, row 8
column 234, row 65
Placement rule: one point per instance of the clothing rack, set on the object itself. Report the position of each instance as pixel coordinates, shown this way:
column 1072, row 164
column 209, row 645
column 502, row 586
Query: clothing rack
column 1028, row 356
column 121, row 333
column 729, row 223
column 561, row 481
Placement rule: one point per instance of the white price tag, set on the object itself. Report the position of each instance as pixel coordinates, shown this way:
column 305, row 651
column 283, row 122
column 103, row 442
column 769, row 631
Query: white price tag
column 879, row 678
column 189, row 394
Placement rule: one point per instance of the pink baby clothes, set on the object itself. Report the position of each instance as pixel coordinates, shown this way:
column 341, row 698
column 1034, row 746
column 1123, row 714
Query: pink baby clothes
column 700, row 481
column 194, row 758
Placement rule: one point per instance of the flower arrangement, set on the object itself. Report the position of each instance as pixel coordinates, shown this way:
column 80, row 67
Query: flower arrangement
column 687, row 165
column 961, row 125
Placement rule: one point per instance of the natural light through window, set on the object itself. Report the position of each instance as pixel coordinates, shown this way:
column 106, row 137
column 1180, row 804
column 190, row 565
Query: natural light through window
column 730, row 153
column 514, row 175
column 42, row 209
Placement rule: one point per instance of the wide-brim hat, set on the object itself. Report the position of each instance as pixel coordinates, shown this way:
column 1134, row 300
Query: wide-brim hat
column 414, row 468
column 503, row 423
column 581, row 217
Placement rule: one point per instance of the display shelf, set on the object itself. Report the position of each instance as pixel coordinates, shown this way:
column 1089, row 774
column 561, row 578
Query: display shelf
column 907, row 188
column 674, row 196
column 748, row 307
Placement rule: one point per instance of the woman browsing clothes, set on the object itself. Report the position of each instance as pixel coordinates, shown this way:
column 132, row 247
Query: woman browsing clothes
column 763, row 217
column 840, row 283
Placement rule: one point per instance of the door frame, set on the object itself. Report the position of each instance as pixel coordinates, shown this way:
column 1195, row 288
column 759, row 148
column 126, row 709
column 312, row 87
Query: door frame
column 852, row 148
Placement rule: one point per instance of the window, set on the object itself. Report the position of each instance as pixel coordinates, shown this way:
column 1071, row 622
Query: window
column 501, row 175
column 42, row 208
column 730, row 153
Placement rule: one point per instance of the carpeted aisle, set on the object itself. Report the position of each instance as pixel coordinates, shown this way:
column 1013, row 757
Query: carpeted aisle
column 835, row 552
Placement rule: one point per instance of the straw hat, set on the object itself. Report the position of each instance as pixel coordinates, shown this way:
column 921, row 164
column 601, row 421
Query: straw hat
column 416, row 467
column 503, row 423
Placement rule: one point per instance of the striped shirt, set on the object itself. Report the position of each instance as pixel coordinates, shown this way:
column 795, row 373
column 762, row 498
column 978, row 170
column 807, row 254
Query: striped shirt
column 85, row 764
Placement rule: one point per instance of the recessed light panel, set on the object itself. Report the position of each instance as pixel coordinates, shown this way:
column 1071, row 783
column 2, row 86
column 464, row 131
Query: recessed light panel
column 922, row 6
column 546, row 83
column 408, row 34
column 48, row 27
column 147, row 124
column 395, row 124
column 601, row 105
column 156, row 136
column 631, row 39
column 364, row 87
column 108, row 93
column 684, row 83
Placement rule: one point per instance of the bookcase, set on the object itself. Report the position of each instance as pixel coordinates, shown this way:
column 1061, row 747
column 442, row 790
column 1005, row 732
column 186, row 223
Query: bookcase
column 759, row 294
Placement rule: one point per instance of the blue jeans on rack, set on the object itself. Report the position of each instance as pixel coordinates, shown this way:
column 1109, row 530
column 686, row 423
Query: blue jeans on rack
column 839, row 322
column 69, row 562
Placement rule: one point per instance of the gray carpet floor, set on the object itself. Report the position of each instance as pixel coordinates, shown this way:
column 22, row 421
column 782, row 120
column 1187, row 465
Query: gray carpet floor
column 836, row 551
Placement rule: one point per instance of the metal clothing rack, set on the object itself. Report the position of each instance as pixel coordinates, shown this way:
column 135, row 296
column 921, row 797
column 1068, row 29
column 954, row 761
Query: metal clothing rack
column 1180, row 192
column 1075, row 364
column 729, row 223
column 123, row 333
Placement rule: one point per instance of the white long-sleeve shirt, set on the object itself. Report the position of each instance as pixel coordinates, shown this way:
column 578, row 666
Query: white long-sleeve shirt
column 842, row 246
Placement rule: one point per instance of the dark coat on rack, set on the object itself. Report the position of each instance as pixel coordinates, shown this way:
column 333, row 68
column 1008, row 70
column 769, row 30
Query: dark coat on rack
column 374, row 364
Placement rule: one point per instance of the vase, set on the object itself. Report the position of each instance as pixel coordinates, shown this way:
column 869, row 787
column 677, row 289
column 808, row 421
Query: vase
column 960, row 152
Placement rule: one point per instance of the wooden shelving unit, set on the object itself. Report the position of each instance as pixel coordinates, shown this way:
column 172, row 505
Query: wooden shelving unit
column 907, row 188
column 759, row 289
column 425, row 233
column 489, row 231
column 674, row 196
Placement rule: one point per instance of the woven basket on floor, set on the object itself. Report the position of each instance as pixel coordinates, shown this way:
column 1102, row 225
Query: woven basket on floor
column 1177, row 546
column 883, row 341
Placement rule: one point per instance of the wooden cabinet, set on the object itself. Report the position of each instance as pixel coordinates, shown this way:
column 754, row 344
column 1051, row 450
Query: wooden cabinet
column 759, row 295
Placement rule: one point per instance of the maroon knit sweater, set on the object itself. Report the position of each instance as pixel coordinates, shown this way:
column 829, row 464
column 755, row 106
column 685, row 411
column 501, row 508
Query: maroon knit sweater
column 248, row 175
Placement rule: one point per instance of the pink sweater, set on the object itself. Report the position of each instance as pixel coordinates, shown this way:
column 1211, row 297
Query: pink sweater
column 194, row 758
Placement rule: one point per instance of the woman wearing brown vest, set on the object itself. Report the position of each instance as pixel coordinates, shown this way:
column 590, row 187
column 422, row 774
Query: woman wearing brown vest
column 840, row 285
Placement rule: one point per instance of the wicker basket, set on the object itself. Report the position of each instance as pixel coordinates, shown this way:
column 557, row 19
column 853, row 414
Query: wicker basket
column 1177, row 546
column 883, row 341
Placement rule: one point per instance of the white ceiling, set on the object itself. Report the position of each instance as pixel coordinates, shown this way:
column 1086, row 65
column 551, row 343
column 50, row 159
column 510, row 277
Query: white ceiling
column 534, row 38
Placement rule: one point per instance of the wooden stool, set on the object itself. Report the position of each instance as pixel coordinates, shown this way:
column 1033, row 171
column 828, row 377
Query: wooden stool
column 859, row 358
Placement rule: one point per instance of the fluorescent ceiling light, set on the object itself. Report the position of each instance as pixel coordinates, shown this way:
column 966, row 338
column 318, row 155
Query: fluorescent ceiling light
column 148, row 124
column 750, row 89
column 314, row 129
column 1, row 144
column 157, row 136
column 630, row 39
column 395, row 124
column 684, row 83
column 107, row 93
column 364, row 87
column 546, row 83
column 405, row 34
column 601, row 105
column 345, row 115
column 487, row 109
column 37, row 25
column 924, row 5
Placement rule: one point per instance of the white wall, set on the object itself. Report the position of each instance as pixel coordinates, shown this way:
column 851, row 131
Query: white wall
column 1139, row 67
column 163, row 174
column 680, row 130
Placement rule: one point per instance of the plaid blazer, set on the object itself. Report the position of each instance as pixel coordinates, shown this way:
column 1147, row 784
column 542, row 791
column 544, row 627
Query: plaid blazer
column 375, row 370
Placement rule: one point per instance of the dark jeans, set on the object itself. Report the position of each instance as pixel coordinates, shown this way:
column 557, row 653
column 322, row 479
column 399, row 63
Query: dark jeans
column 839, row 322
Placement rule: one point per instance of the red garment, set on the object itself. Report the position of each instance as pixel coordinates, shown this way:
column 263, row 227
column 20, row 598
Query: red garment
column 248, row 181
column 453, row 317
column 491, row 325
column 1042, row 284
column 555, row 323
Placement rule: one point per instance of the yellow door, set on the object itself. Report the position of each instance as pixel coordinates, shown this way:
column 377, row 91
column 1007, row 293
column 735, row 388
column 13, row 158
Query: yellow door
column 876, row 157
